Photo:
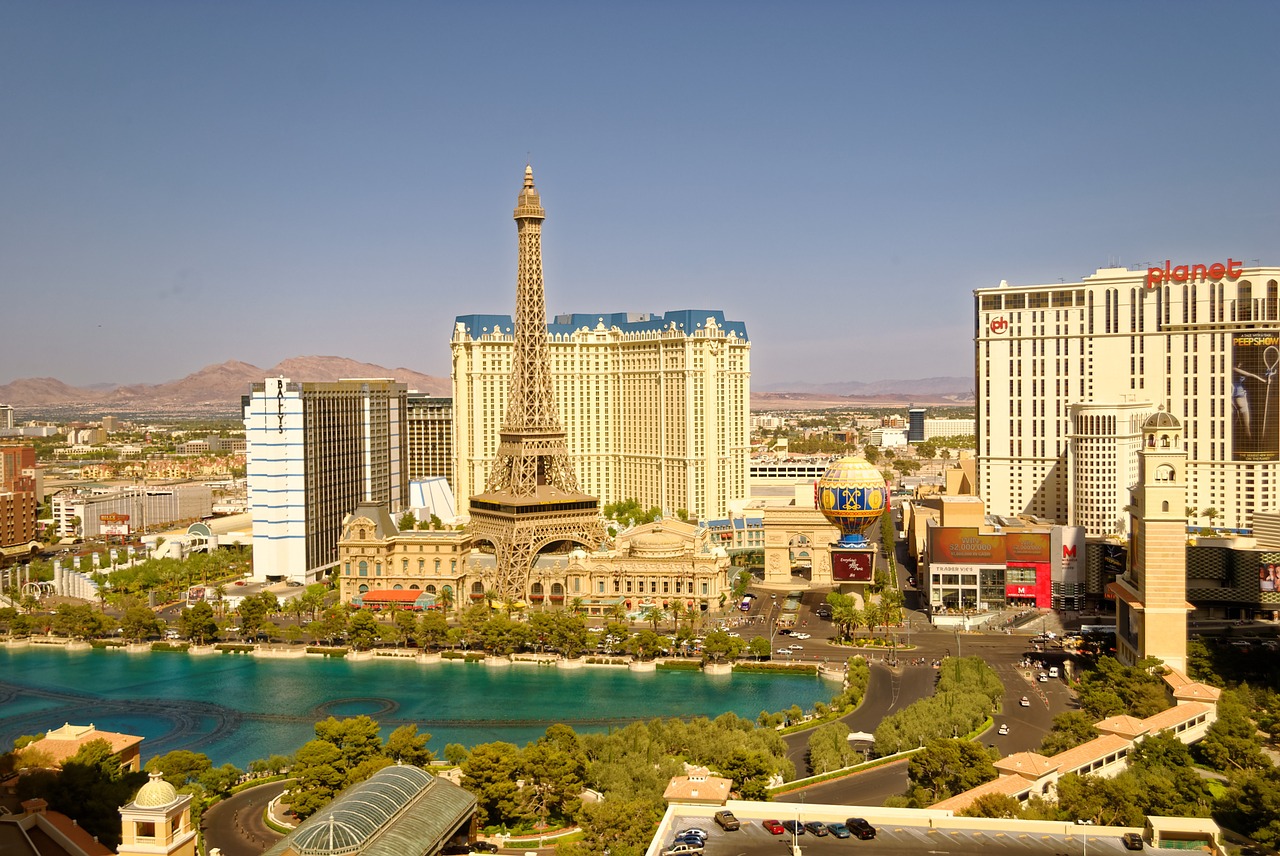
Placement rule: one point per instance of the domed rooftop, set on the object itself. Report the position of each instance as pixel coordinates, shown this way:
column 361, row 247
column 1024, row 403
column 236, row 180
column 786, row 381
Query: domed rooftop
column 155, row 793
column 1161, row 420
column 657, row 543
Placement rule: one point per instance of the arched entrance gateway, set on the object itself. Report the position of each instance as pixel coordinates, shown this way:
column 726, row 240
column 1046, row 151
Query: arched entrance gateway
column 797, row 536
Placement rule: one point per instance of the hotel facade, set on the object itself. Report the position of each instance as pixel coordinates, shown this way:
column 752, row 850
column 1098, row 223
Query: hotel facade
column 1067, row 374
column 656, row 407
column 316, row 451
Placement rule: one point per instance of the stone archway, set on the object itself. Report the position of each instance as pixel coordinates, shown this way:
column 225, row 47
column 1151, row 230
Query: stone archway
column 787, row 526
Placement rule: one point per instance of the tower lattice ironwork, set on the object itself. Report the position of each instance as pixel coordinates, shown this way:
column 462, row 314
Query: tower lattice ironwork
column 531, row 502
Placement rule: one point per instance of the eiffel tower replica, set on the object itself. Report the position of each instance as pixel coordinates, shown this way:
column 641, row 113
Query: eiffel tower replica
column 531, row 503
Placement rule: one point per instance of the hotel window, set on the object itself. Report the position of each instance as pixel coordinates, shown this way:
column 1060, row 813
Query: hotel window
column 364, row 569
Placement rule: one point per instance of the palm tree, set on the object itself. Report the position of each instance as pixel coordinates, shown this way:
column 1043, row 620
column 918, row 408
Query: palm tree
column 653, row 615
column 577, row 605
column 618, row 613
column 446, row 600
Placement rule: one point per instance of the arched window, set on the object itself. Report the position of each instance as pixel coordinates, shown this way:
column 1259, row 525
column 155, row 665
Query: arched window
column 413, row 587
column 364, row 569
column 477, row 588
column 536, row 589
column 362, row 535
column 397, row 587
column 1164, row 506
column 431, row 589
column 363, row 588
column 557, row 590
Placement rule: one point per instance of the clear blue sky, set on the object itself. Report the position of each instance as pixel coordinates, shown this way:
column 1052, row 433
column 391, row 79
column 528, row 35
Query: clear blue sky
column 184, row 183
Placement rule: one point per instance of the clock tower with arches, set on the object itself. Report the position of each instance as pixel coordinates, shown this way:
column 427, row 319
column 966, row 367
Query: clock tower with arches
column 1151, row 598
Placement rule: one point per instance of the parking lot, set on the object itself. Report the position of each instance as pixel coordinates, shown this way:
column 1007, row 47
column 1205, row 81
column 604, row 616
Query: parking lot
column 922, row 834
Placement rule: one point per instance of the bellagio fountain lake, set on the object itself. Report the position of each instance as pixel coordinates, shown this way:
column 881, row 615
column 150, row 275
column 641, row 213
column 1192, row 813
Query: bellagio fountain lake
column 236, row 708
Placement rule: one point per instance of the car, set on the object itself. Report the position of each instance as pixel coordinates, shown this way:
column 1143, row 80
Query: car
column 727, row 821
column 839, row 830
column 1026, row 702
column 695, row 840
column 859, row 827
column 294, row 584
column 483, row 847
column 455, row 849
column 240, row 582
column 683, row 848
column 1043, row 678
column 815, row 827
column 1131, row 841
column 1004, row 728
column 823, row 613
column 793, row 826
column 773, row 826
column 695, row 832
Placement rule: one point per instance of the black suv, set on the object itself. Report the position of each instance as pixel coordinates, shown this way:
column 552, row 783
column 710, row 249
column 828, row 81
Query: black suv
column 859, row 827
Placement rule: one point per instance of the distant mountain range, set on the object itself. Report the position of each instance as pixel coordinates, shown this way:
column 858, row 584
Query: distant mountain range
column 220, row 387
column 221, row 384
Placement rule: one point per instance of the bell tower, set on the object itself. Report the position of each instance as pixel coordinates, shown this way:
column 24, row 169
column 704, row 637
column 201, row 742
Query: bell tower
column 1151, row 598
column 531, row 503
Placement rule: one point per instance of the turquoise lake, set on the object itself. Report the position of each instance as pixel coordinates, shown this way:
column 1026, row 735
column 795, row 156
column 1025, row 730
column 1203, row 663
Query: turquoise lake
column 236, row 708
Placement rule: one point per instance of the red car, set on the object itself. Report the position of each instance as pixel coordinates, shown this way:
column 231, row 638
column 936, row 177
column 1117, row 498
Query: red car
column 773, row 826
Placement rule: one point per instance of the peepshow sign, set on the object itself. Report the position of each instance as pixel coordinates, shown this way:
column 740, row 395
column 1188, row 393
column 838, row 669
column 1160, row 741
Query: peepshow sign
column 852, row 565
column 964, row 546
column 1255, row 396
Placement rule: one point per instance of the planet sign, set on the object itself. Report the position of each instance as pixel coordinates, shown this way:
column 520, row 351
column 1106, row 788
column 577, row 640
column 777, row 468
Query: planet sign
column 852, row 494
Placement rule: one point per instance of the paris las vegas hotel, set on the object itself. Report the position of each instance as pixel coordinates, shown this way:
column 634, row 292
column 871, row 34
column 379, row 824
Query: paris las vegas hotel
column 1067, row 373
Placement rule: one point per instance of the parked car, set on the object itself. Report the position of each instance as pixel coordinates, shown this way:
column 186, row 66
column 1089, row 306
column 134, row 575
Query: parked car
column 839, row 830
column 773, row 826
column 727, row 821
column 815, row 827
column 483, row 847
column 794, row 827
column 859, row 827
column 1132, row 841
column 695, row 832
column 682, row 848
column 695, row 840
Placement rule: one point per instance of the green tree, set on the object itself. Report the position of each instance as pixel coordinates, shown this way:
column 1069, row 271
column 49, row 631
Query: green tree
column 198, row 624
column 406, row 623
column 489, row 773
column 138, row 623
column 553, row 769
column 180, row 767
column 1231, row 743
column 433, row 629
column 407, row 521
column 719, row 645
column 406, row 746
column 621, row 827
column 946, row 767
column 90, row 787
column 363, row 630
column 829, row 748
column 1069, row 729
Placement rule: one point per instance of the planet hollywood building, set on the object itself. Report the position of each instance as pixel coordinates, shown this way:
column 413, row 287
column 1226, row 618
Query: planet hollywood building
column 1067, row 374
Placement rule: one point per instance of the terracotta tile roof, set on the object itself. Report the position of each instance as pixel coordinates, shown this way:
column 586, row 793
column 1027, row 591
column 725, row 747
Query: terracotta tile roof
column 1124, row 726
column 62, row 743
column 711, row 789
column 1008, row 785
column 76, row 834
column 1086, row 753
column 1031, row 765
column 1197, row 692
column 1176, row 715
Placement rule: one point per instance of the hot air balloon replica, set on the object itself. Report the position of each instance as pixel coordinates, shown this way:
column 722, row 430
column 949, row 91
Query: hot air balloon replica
column 852, row 494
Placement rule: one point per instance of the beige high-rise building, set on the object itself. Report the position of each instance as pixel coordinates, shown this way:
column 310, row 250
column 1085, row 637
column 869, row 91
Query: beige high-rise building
column 1066, row 372
column 656, row 407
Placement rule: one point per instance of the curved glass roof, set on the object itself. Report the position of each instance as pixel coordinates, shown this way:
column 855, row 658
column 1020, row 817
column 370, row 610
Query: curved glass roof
column 349, row 821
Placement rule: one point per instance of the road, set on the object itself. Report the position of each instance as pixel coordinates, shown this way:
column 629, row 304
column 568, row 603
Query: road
column 235, row 825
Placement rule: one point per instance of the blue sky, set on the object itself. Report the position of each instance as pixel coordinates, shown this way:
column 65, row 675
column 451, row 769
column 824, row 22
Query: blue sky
column 185, row 183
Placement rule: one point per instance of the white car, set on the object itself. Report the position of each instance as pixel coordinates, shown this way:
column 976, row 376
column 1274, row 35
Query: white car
column 1025, row 702
column 1004, row 728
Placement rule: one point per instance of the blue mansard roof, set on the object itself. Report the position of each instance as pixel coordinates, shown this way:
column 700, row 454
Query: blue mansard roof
column 688, row 320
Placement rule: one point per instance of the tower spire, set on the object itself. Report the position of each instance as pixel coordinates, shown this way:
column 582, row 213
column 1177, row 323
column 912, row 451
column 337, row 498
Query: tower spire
column 531, row 502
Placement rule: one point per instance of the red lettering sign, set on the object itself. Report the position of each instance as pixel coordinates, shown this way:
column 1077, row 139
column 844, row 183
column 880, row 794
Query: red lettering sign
column 1068, row 552
column 999, row 325
column 1193, row 273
